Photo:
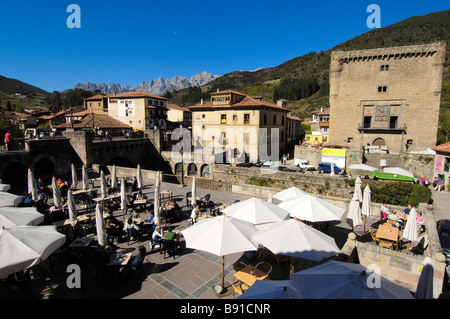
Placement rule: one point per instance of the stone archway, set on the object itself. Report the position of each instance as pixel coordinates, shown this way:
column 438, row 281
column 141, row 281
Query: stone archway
column 379, row 142
column 15, row 174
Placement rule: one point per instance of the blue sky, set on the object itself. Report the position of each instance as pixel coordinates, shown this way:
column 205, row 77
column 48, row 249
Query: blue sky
column 128, row 42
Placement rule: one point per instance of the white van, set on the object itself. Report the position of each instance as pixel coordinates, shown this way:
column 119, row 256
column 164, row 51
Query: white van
column 303, row 163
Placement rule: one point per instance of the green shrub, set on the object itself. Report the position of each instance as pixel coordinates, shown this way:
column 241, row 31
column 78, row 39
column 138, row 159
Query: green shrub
column 400, row 193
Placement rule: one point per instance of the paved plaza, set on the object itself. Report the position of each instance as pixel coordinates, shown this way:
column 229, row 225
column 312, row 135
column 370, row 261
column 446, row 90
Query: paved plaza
column 190, row 274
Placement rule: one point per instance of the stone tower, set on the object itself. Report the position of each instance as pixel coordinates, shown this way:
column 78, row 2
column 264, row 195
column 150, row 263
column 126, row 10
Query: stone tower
column 387, row 97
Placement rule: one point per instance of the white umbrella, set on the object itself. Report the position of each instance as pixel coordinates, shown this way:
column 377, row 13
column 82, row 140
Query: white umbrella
column 103, row 187
column 72, row 208
column 9, row 200
column 32, row 186
column 362, row 167
column 312, row 209
column 25, row 246
column 17, row 216
column 5, row 187
column 113, row 177
column 410, row 230
column 289, row 193
column 270, row 198
column 139, row 177
column 271, row 289
column 366, row 204
column 57, row 201
column 194, row 191
column 425, row 285
column 74, row 177
column 156, row 203
column 354, row 211
column 358, row 190
column 256, row 211
column 296, row 239
column 84, row 177
column 340, row 280
column 398, row 171
column 332, row 170
column 220, row 236
column 100, row 226
column 123, row 198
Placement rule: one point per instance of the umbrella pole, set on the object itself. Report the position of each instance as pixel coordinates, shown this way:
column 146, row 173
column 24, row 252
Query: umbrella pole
column 223, row 272
column 365, row 223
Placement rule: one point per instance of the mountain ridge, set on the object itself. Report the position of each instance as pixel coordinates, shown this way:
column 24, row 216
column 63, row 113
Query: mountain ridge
column 156, row 86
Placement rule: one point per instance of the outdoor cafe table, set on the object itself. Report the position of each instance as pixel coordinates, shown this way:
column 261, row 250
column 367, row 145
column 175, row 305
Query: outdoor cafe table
column 113, row 196
column 65, row 222
column 164, row 194
column 388, row 232
column 119, row 259
column 245, row 275
column 81, row 242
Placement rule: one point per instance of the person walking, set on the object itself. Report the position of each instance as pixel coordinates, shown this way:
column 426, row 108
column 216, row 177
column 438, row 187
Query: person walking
column 9, row 141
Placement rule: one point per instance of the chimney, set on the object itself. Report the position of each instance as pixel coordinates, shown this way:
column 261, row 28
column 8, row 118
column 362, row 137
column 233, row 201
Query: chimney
column 282, row 103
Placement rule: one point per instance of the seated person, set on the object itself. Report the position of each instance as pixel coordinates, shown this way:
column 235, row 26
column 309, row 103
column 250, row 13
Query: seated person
column 113, row 230
column 157, row 235
column 113, row 220
column 134, row 186
column 28, row 201
column 138, row 259
column 407, row 211
column 151, row 221
column 131, row 225
column 169, row 234
column 419, row 221
column 195, row 214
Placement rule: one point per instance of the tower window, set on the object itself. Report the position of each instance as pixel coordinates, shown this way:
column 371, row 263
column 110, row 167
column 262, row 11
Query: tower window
column 382, row 89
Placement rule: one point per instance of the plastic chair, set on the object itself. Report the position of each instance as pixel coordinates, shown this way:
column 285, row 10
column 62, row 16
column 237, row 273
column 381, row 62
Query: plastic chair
column 238, row 265
column 373, row 235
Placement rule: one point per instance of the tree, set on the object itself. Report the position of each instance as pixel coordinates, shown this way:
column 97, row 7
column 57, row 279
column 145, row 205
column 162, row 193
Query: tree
column 444, row 129
column 54, row 100
column 75, row 97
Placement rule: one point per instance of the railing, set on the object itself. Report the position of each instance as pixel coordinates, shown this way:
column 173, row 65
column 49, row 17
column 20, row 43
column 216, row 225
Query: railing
column 17, row 145
column 382, row 127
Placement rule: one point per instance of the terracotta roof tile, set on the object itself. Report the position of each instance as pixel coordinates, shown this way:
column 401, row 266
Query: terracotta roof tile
column 102, row 121
column 444, row 148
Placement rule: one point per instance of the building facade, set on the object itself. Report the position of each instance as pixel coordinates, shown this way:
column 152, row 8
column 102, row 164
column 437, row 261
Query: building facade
column 234, row 125
column 388, row 97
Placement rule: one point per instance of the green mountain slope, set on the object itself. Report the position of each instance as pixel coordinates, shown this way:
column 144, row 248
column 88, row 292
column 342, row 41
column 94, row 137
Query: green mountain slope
column 415, row 30
column 12, row 86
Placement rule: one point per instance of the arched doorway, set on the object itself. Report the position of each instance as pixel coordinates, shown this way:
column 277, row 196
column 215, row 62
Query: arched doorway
column 192, row 169
column 45, row 169
column 205, row 171
column 178, row 169
column 379, row 142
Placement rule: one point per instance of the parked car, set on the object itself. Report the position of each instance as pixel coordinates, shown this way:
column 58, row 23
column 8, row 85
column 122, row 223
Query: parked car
column 269, row 167
column 304, row 164
column 325, row 167
column 38, row 132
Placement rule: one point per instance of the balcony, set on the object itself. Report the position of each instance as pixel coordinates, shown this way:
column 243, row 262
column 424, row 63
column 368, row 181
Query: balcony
column 382, row 128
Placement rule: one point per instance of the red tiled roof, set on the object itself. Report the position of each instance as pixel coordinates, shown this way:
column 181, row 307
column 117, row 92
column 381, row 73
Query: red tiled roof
column 227, row 92
column 177, row 107
column 293, row 118
column 444, row 148
column 324, row 111
column 102, row 121
column 136, row 94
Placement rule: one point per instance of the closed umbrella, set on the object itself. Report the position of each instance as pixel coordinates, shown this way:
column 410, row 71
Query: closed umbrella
column 290, row 193
column 25, row 246
column 9, row 200
column 358, row 189
column 425, row 285
column 32, row 186
column 103, row 187
column 74, row 177
column 332, row 170
column 366, row 204
column 57, row 200
column 398, row 171
column 270, row 198
column 341, row 280
column 354, row 212
column 156, row 198
column 84, row 177
column 220, row 236
column 271, row 289
column 100, row 226
column 312, row 209
column 362, row 167
column 296, row 239
column 123, row 198
column 410, row 230
column 139, row 177
column 72, row 208
column 17, row 216
column 256, row 211
column 114, row 177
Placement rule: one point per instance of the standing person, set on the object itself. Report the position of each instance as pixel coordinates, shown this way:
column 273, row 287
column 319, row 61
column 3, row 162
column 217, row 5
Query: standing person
column 9, row 141
column 195, row 214
column 438, row 184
